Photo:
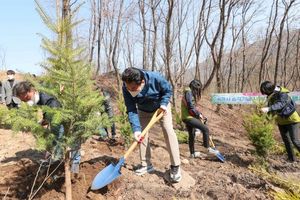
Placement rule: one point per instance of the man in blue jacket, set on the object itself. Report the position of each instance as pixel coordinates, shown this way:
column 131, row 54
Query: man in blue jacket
column 144, row 92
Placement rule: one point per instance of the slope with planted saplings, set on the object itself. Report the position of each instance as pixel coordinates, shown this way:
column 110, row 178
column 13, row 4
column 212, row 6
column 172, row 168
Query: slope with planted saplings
column 242, row 176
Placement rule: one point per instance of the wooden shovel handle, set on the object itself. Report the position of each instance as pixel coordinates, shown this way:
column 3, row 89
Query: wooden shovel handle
column 211, row 142
column 156, row 116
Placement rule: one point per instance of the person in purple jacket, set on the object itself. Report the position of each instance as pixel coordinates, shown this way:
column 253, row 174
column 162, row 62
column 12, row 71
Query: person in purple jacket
column 144, row 92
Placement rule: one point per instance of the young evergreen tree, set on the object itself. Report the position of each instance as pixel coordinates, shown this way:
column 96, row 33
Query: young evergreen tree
column 68, row 77
column 260, row 128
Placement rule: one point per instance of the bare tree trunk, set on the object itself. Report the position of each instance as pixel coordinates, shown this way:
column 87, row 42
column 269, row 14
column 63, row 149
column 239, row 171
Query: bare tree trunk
column 100, row 34
column 235, row 34
column 217, row 52
column 286, row 52
column 154, row 6
column 296, row 65
column 144, row 30
column 287, row 8
column 268, row 39
column 93, row 30
column 199, row 38
column 168, row 50
column 66, row 12
column 113, row 53
column 246, row 6
column 68, row 183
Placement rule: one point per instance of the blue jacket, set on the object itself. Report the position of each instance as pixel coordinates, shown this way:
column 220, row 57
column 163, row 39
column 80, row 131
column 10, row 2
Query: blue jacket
column 156, row 92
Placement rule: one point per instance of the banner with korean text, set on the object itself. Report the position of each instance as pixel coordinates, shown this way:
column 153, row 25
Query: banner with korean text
column 246, row 98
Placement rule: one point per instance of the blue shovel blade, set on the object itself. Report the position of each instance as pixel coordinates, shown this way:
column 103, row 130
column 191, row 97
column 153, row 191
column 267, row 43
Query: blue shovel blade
column 218, row 154
column 220, row 157
column 107, row 175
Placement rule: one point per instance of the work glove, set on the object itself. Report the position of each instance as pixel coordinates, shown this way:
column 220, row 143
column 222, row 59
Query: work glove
column 265, row 109
column 137, row 136
column 201, row 116
column 163, row 109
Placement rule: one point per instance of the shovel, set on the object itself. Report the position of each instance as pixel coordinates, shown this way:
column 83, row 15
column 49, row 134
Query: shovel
column 215, row 151
column 113, row 171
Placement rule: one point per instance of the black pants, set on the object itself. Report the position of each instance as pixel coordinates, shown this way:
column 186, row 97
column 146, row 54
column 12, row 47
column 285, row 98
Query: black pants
column 12, row 105
column 191, row 124
column 113, row 130
column 290, row 134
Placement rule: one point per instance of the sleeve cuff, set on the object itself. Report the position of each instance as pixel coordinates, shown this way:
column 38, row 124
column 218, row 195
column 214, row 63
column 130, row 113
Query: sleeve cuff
column 163, row 107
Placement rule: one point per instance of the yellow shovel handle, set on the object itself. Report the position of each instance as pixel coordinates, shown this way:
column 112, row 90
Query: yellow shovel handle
column 156, row 116
column 211, row 142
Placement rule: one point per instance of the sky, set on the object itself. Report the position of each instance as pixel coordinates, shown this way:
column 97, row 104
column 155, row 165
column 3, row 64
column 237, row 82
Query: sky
column 19, row 41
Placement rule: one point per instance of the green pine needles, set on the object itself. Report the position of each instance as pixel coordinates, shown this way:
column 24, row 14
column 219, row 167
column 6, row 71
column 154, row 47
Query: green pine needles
column 260, row 129
column 123, row 123
column 69, row 78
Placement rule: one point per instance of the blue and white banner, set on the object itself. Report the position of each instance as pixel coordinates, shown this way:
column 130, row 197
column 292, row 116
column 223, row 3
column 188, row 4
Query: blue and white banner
column 245, row 98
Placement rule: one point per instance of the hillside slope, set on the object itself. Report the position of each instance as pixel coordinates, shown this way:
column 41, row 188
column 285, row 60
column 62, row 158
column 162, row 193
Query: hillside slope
column 208, row 178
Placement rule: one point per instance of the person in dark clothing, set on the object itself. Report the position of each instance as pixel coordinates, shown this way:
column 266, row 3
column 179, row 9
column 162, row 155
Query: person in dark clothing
column 109, row 110
column 193, row 118
column 287, row 118
column 27, row 93
column 8, row 96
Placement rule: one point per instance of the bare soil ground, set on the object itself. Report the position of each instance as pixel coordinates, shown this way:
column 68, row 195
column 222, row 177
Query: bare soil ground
column 208, row 178
column 213, row 179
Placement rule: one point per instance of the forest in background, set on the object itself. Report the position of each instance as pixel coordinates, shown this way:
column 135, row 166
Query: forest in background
column 230, row 45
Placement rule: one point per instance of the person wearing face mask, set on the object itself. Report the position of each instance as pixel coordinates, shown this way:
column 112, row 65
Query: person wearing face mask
column 8, row 97
column 281, row 105
column 144, row 92
column 27, row 93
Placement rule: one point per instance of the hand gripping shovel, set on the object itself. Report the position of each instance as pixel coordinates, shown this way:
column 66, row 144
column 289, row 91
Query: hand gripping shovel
column 113, row 171
column 215, row 151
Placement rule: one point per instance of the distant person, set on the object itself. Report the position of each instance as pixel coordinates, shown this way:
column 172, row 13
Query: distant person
column 145, row 92
column 193, row 118
column 27, row 93
column 283, row 107
column 8, row 97
column 109, row 110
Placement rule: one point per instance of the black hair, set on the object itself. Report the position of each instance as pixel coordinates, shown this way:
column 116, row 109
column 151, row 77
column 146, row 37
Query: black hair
column 10, row 72
column 267, row 87
column 196, row 88
column 132, row 75
column 22, row 88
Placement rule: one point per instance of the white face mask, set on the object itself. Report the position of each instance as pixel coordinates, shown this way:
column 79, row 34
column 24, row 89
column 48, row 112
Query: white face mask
column 135, row 93
column 34, row 100
column 10, row 77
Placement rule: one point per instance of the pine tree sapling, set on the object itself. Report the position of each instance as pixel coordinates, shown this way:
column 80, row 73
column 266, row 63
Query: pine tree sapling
column 122, row 120
column 67, row 78
column 182, row 136
column 260, row 129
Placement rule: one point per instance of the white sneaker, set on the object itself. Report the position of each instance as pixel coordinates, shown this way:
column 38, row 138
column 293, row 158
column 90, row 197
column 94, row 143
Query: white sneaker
column 198, row 154
column 175, row 174
column 144, row 169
